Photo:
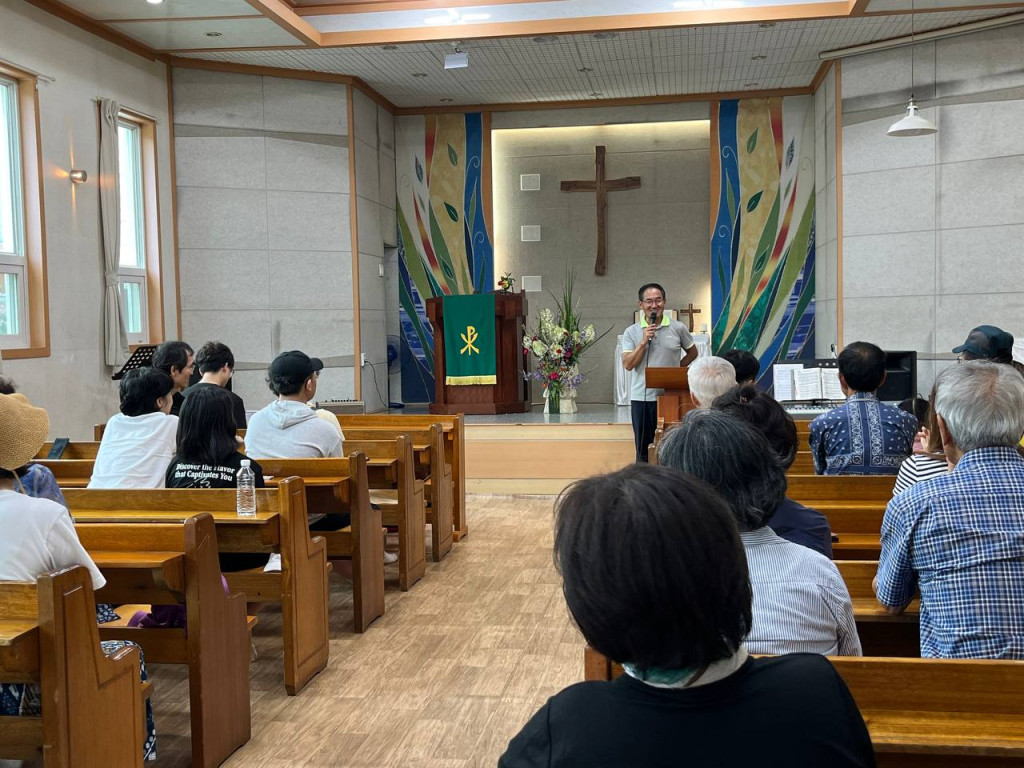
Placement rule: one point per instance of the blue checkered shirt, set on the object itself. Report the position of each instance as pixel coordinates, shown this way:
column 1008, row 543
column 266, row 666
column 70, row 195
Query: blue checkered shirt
column 862, row 437
column 960, row 539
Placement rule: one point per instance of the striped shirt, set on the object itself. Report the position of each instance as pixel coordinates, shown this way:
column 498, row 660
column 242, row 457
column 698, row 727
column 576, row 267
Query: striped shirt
column 960, row 539
column 917, row 468
column 801, row 604
column 861, row 437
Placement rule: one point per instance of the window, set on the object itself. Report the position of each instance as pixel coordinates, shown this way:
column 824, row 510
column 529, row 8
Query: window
column 132, row 257
column 13, row 318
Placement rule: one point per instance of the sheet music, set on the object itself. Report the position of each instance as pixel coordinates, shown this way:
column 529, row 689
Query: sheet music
column 782, row 380
column 807, row 384
column 831, row 389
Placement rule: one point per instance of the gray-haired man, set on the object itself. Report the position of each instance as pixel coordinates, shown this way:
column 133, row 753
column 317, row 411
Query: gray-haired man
column 959, row 538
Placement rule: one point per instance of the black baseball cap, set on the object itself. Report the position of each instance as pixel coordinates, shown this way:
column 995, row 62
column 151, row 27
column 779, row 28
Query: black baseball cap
column 295, row 366
column 986, row 341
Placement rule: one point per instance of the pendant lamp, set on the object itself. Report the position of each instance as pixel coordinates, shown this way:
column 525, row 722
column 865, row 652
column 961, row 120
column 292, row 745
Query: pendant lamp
column 912, row 124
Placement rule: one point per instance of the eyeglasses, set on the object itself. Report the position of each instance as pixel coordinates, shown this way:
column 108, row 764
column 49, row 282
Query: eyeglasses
column 652, row 302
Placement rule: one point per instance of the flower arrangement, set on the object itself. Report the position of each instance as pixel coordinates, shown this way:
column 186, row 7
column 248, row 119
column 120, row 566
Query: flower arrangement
column 506, row 283
column 558, row 342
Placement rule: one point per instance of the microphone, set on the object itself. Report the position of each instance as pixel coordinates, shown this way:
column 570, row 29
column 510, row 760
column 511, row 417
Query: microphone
column 653, row 318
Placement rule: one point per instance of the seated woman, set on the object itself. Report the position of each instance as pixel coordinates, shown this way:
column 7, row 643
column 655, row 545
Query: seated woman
column 655, row 577
column 34, row 480
column 207, row 456
column 800, row 601
column 791, row 520
column 38, row 537
column 138, row 442
column 927, row 460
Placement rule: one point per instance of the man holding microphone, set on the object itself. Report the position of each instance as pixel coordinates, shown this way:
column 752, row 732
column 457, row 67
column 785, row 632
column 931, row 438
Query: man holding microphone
column 659, row 342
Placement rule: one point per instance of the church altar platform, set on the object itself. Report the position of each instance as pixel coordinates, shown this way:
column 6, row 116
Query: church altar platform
column 535, row 453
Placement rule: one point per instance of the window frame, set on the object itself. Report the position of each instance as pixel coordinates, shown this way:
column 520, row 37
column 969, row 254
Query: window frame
column 149, row 276
column 28, row 262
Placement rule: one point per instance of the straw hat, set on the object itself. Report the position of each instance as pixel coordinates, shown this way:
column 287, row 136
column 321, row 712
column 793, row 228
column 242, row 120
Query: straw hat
column 23, row 429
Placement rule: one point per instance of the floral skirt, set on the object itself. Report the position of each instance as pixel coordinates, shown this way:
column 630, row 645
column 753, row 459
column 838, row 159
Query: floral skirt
column 25, row 700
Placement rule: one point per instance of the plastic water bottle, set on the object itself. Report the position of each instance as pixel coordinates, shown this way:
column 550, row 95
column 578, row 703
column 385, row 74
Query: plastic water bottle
column 246, row 494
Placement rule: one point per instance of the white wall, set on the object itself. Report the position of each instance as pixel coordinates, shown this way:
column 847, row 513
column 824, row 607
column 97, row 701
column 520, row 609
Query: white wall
column 933, row 225
column 374, row 131
column 826, row 232
column 72, row 383
column 264, row 223
column 658, row 232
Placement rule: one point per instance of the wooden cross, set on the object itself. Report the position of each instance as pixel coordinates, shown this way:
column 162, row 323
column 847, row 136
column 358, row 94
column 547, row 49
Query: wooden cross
column 690, row 312
column 602, row 186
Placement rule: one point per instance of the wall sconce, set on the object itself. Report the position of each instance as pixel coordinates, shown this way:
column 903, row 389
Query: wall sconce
column 78, row 176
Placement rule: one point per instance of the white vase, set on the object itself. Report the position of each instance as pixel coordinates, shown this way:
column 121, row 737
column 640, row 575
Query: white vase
column 568, row 405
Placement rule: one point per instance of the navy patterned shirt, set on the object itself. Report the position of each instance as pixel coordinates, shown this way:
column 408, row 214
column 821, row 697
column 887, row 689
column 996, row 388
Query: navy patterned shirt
column 959, row 538
column 862, row 437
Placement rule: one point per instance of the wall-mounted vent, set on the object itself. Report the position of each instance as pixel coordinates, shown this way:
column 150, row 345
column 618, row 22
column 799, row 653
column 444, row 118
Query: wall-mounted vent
column 529, row 182
column 530, row 233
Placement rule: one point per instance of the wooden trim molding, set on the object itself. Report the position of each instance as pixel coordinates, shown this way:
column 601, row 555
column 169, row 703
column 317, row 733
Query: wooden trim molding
column 353, row 212
column 380, row 6
column 174, row 200
column 575, row 25
column 99, row 29
column 285, row 17
column 36, row 288
column 486, row 176
column 291, row 74
column 535, row 106
column 839, row 202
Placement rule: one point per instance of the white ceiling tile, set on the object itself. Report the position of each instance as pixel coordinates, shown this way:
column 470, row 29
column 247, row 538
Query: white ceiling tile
column 137, row 9
column 184, row 35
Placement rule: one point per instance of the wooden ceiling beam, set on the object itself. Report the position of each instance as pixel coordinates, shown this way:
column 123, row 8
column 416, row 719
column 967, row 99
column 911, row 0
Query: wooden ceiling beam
column 282, row 14
column 99, row 29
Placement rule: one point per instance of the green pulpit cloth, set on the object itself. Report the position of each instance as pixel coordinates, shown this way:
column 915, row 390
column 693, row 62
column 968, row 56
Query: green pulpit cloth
column 469, row 356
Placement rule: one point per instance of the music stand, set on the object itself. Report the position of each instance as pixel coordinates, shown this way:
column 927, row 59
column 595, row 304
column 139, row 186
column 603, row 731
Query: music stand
column 140, row 358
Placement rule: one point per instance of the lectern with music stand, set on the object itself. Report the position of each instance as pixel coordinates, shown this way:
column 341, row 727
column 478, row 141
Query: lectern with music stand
column 675, row 401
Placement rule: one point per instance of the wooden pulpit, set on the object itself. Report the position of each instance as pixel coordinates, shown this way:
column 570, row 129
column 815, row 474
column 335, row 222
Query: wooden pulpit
column 511, row 393
column 676, row 401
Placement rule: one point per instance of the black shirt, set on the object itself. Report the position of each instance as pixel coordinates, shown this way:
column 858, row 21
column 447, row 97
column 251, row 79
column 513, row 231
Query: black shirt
column 802, row 525
column 183, row 474
column 790, row 711
column 176, row 402
column 237, row 404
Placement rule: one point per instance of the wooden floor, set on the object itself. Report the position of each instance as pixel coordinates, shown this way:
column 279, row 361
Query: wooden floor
column 443, row 680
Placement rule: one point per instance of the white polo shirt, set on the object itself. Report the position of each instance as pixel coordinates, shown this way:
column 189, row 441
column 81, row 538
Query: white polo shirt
column 666, row 350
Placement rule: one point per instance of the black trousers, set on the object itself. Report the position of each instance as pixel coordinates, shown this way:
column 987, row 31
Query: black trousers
column 645, row 421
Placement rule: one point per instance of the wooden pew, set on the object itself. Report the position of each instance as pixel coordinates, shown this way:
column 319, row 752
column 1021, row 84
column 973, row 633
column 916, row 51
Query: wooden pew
column 280, row 523
column 69, row 473
column 881, row 633
column 334, row 486
column 808, row 489
column 402, row 507
column 939, row 713
column 454, row 450
column 858, row 527
column 76, row 449
column 803, row 464
column 436, row 473
column 93, row 711
column 170, row 563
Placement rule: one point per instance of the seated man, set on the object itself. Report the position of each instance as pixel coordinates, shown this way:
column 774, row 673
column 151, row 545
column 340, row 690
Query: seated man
column 863, row 436
column 801, row 604
column 216, row 363
column 710, row 377
column 747, row 366
column 288, row 428
column 959, row 538
column 791, row 520
column 177, row 360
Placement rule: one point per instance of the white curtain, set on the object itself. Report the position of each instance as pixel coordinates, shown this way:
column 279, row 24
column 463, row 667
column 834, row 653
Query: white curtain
column 115, row 339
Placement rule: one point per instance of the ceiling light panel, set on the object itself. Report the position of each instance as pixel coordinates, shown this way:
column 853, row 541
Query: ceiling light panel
column 183, row 35
column 103, row 10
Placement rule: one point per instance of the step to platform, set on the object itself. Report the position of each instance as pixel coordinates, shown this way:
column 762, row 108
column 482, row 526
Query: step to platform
column 542, row 459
